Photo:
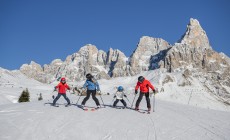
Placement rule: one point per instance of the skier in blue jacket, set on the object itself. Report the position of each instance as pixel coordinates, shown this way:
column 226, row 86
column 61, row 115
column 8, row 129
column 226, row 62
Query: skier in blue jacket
column 92, row 87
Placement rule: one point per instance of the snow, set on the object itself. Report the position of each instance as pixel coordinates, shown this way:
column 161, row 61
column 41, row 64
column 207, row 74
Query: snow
column 36, row 121
column 189, row 112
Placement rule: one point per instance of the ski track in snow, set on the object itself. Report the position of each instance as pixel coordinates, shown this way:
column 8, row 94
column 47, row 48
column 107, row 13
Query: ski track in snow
column 36, row 121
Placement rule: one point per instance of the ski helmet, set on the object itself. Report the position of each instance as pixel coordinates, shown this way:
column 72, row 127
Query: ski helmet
column 120, row 88
column 89, row 76
column 141, row 79
column 63, row 79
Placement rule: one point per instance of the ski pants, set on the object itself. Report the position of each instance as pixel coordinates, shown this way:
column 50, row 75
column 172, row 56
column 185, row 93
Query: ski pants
column 117, row 100
column 58, row 96
column 88, row 93
column 140, row 98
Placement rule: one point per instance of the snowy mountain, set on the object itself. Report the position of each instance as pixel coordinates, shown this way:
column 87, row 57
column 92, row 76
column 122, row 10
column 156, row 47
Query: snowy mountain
column 192, row 57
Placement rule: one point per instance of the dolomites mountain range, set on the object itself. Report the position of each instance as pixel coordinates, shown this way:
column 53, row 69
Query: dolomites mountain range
column 192, row 56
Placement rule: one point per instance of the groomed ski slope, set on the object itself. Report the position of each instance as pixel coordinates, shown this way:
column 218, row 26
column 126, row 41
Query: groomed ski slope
column 171, row 121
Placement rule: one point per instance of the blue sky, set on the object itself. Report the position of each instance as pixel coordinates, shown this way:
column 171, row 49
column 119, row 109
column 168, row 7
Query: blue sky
column 43, row 30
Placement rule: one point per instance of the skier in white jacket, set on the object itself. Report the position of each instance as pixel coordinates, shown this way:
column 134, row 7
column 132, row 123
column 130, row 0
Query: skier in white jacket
column 119, row 96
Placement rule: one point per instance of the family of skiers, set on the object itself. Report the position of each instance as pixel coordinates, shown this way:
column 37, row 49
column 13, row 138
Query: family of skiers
column 93, row 87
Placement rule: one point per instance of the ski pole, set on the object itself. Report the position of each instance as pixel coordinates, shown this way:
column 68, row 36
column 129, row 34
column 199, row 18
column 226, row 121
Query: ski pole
column 128, row 100
column 153, row 102
column 102, row 100
column 78, row 99
column 133, row 100
column 112, row 101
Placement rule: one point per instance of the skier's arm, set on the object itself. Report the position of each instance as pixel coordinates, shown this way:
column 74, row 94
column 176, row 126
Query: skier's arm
column 98, row 88
column 85, row 85
column 124, row 94
column 56, row 87
column 137, row 86
column 152, row 87
column 67, row 87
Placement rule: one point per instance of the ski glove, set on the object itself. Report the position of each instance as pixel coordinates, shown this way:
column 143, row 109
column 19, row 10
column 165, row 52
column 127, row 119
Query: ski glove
column 125, row 96
column 114, row 96
column 136, row 91
column 154, row 91
column 55, row 89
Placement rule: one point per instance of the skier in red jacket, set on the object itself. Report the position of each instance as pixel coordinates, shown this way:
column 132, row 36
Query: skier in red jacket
column 144, row 90
column 62, row 87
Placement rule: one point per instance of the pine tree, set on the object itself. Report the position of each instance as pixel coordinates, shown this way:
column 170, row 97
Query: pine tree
column 40, row 97
column 25, row 96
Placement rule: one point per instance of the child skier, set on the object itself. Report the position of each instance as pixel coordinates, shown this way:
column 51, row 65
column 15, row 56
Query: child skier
column 144, row 91
column 92, row 88
column 62, row 87
column 119, row 96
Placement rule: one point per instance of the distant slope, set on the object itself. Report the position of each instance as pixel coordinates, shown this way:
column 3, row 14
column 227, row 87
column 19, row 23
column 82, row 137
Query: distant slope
column 12, row 83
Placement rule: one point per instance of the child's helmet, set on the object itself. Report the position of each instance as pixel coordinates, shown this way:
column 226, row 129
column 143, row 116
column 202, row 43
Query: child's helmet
column 63, row 79
column 120, row 88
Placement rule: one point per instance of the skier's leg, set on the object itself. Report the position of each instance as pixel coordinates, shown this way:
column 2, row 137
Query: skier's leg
column 95, row 98
column 139, row 100
column 86, row 98
column 66, row 98
column 115, row 103
column 148, row 100
column 124, row 103
column 57, row 97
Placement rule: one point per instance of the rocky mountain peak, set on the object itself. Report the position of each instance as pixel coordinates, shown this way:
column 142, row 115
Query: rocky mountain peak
column 89, row 48
column 195, row 36
column 147, row 47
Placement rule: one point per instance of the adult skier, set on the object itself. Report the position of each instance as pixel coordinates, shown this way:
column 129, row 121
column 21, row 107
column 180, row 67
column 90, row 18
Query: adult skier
column 144, row 91
column 62, row 87
column 119, row 96
column 92, row 87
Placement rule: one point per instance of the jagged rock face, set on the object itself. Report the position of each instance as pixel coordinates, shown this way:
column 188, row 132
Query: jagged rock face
column 194, row 51
column 33, row 70
column 148, row 47
column 116, row 63
column 87, row 60
column 195, row 36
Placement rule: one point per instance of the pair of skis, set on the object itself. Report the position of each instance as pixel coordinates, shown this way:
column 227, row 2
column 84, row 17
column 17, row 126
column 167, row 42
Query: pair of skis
column 58, row 105
column 145, row 111
column 90, row 109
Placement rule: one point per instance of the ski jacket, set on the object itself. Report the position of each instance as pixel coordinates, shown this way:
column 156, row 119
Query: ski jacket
column 62, row 88
column 119, row 95
column 144, row 86
column 91, row 85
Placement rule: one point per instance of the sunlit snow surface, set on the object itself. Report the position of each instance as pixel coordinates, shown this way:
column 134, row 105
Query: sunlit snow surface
column 181, row 113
